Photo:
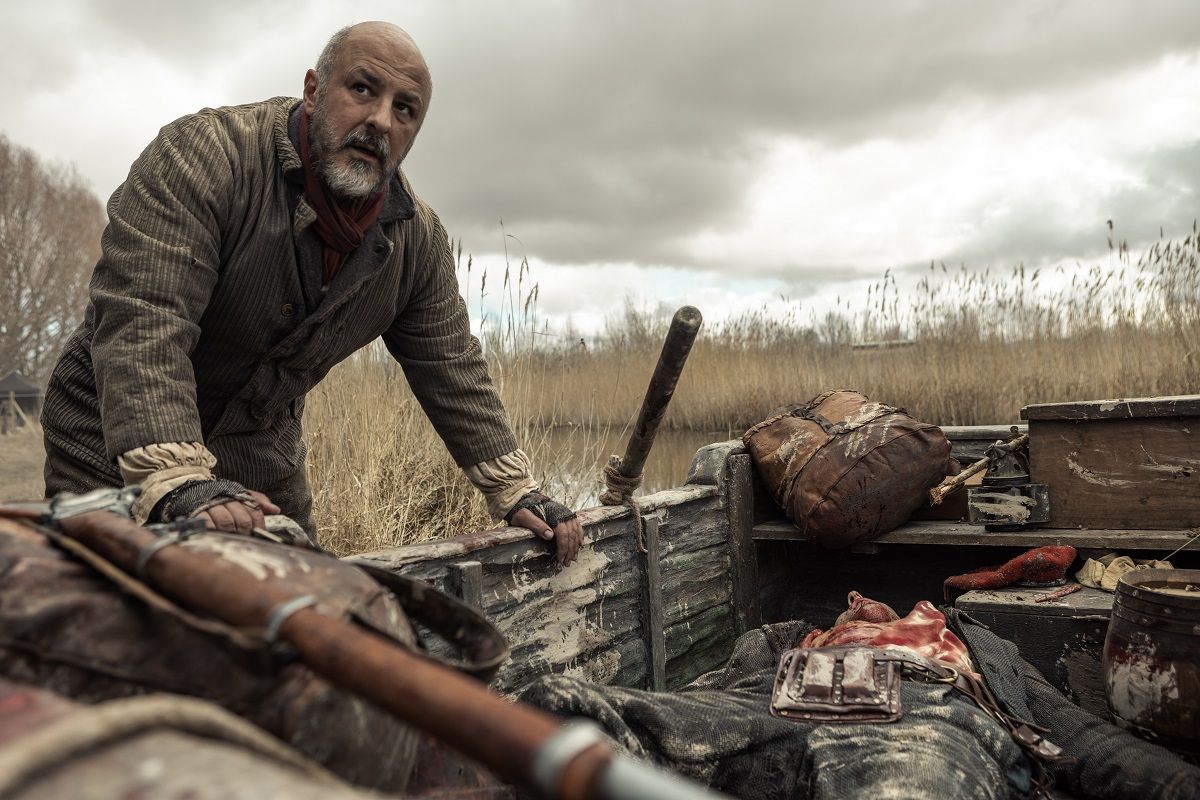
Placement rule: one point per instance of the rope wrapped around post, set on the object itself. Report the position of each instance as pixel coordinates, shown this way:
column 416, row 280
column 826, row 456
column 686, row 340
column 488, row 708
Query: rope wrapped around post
column 619, row 492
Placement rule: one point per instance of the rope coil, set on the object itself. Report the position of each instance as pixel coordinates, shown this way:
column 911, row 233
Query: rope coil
column 619, row 489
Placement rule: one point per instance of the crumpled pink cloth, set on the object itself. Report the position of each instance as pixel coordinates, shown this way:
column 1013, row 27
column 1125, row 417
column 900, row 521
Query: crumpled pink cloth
column 873, row 624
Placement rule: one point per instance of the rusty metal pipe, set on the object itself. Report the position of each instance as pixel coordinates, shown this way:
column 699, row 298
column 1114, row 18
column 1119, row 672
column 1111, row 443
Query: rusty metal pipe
column 676, row 348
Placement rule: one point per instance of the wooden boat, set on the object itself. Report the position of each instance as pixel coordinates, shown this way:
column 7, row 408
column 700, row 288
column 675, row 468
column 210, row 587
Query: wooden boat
column 719, row 559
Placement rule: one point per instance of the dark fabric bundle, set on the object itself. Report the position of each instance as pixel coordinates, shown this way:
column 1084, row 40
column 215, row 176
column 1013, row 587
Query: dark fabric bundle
column 718, row 731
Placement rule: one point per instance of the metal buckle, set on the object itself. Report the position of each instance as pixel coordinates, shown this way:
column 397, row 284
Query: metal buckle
column 846, row 684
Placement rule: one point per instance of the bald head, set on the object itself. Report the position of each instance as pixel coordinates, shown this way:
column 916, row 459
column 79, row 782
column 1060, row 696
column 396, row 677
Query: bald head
column 382, row 39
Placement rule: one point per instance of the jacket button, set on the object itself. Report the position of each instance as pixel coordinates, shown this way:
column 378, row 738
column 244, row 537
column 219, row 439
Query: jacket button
column 288, row 310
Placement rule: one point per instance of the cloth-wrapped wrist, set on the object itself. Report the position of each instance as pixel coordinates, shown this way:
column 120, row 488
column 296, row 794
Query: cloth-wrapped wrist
column 548, row 511
column 503, row 480
column 196, row 496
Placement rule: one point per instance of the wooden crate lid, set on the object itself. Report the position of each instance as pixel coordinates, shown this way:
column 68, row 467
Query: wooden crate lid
column 1085, row 602
column 1136, row 408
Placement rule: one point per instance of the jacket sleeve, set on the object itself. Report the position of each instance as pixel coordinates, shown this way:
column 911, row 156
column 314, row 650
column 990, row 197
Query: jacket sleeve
column 158, row 266
column 431, row 339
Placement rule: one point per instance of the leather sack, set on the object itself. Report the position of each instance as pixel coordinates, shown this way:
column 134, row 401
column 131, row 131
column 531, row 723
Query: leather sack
column 846, row 469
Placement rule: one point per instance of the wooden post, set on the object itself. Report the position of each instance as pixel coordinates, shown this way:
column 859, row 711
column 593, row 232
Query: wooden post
column 465, row 579
column 16, row 407
column 652, row 609
column 743, row 555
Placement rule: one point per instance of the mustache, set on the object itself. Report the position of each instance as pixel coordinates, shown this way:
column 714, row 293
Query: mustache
column 376, row 143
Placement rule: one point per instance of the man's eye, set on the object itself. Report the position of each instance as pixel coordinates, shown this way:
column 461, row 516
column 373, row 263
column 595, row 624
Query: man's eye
column 403, row 108
column 360, row 88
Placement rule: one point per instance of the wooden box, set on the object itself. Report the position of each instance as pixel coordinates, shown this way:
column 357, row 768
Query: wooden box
column 1063, row 638
column 1118, row 464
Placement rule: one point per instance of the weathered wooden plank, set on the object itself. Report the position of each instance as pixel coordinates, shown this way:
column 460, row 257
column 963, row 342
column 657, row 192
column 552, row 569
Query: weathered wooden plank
column 458, row 546
column 1135, row 408
column 652, row 609
column 743, row 559
column 465, row 579
column 954, row 533
column 1119, row 473
column 701, row 644
column 1010, row 600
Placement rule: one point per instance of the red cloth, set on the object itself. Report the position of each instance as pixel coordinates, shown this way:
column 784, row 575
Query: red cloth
column 1041, row 564
column 340, row 224
column 923, row 631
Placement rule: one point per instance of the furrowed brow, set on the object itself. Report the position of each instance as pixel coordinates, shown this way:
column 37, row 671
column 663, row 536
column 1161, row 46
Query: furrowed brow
column 412, row 98
column 365, row 76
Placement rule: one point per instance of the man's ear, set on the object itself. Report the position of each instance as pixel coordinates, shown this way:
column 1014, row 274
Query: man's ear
column 310, row 91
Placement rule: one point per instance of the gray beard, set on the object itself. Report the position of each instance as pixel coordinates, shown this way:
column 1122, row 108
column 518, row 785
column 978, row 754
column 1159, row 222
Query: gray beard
column 351, row 182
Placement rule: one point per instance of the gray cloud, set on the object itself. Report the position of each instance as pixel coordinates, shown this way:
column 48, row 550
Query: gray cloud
column 606, row 131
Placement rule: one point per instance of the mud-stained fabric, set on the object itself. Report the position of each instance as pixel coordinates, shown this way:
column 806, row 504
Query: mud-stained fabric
column 718, row 731
column 1109, row 762
column 70, row 630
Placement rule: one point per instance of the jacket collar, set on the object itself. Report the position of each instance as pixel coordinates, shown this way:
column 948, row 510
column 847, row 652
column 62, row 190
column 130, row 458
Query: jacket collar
column 399, row 204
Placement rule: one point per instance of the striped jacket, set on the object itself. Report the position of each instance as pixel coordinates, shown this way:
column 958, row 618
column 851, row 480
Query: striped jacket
column 202, row 327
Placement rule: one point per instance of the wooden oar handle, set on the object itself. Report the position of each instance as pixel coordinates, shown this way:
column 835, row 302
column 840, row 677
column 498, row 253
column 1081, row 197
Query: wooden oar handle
column 680, row 338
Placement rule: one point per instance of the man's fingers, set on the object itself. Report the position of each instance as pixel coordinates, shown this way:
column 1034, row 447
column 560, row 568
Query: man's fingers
column 265, row 503
column 527, row 519
column 562, row 545
column 569, row 536
column 243, row 517
column 576, row 536
column 221, row 518
column 234, row 516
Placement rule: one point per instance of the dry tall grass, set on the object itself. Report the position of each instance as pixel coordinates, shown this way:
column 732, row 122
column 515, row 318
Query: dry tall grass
column 981, row 347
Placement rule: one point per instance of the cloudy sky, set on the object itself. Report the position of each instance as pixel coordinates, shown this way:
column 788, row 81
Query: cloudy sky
column 719, row 153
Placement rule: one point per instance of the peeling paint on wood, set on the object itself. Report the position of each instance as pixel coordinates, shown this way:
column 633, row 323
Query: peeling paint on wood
column 588, row 619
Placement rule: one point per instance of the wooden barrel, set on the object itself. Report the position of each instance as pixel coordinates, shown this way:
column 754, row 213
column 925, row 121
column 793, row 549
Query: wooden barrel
column 1152, row 655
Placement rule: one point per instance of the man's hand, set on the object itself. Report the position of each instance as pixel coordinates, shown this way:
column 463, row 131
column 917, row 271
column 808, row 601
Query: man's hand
column 567, row 535
column 239, row 516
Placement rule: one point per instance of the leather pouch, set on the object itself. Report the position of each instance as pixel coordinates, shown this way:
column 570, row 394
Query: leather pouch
column 837, row 684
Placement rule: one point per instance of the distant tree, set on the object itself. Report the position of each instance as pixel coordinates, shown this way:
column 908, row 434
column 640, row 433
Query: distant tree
column 50, row 225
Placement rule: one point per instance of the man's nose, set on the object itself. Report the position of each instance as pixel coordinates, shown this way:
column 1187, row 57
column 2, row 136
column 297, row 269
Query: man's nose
column 380, row 118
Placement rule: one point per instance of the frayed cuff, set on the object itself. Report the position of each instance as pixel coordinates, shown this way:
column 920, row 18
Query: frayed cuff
column 503, row 481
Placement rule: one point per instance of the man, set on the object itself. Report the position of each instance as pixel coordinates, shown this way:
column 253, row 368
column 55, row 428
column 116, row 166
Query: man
column 250, row 250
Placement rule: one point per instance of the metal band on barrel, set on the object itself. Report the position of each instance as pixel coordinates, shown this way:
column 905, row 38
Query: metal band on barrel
column 280, row 614
column 148, row 552
column 571, row 740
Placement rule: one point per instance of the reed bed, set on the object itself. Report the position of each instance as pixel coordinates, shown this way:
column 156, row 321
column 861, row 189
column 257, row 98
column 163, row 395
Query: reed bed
column 965, row 348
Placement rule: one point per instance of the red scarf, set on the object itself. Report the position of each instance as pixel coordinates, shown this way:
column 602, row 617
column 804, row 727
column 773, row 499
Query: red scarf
column 341, row 224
